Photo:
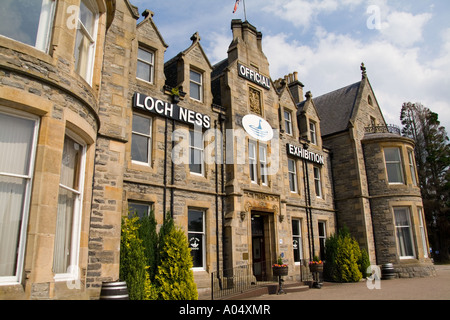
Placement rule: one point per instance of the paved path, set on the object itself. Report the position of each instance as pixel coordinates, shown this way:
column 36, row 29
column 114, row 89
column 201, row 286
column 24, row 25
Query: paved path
column 430, row 288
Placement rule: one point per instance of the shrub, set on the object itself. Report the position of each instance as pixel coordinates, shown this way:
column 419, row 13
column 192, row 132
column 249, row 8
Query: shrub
column 364, row 263
column 149, row 236
column 343, row 258
column 175, row 279
column 132, row 259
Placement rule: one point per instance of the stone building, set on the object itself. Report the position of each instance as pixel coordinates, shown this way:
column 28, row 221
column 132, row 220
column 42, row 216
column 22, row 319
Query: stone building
column 94, row 124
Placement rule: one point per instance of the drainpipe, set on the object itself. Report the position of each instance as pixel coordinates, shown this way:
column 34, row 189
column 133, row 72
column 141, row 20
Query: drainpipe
column 165, row 170
column 217, row 205
column 172, row 169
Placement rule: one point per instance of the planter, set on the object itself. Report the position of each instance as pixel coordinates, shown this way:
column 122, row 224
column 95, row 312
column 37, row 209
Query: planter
column 280, row 271
column 316, row 267
column 387, row 271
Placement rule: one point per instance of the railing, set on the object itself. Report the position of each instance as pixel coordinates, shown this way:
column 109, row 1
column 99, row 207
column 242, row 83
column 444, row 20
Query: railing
column 233, row 281
column 390, row 128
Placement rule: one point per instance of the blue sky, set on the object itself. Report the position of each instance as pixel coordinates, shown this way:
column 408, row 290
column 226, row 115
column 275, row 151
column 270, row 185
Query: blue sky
column 405, row 45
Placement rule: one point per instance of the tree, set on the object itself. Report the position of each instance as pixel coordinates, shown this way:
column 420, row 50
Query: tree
column 132, row 260
column 175, row 279
column 432, row 154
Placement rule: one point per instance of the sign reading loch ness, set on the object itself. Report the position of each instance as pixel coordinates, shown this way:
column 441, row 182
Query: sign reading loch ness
column 171, row 111
column 257, row 127
column 254, row 76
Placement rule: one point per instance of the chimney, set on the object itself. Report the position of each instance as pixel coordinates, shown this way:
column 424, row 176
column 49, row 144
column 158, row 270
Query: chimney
column 295, row 86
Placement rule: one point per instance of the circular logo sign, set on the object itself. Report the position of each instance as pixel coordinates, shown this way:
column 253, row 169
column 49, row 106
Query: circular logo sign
column 257, row 127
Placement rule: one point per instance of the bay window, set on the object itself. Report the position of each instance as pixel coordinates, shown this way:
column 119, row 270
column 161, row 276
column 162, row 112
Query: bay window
column 403, row 230
column 70, row 198
column 28, row 21
column 394, row 165
column 18, row 139
column 86, row 39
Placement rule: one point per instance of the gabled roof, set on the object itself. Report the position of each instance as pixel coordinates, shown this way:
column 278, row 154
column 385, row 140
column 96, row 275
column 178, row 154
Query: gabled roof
column 335, row 109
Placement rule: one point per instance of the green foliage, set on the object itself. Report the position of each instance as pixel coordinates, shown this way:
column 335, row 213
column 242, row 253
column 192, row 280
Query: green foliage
column 132, row 259
column 155, row 267
column 343, row 258
column 364, row 263
column 175, row 279
column 149, row 236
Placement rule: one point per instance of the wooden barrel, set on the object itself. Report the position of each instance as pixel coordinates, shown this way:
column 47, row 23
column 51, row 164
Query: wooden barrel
column 116, row 290
column 387, row 271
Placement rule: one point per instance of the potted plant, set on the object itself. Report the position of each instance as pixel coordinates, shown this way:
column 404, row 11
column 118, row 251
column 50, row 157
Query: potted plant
column 175, row 92
column 316, row 265
column 280, row 269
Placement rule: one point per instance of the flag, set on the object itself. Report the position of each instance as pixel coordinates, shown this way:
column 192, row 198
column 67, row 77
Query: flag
column 236, row 6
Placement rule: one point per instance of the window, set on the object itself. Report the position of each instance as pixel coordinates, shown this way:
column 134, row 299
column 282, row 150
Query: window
column 317, row 182
column 322, row 238
column 196, row 237
column 18, row 135
column 288, row 122
column 140, row 209
column 29, row 21
column 145, row 65
column 312, row 132
column 86, row 38
column 141, row 140
column 68, row 217
column 404, row 233
column 393, row 165
column 195, row 85
column 412, row 167
column 292, row 175
column 196, row 152
column 423, row 233
column 252, row 161
column 297, row 244
column 263, row 163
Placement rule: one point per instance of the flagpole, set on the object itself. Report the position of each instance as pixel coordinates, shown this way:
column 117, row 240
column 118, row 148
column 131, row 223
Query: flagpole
column 245, row 11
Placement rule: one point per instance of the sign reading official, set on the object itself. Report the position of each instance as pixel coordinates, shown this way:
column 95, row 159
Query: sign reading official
column 254, row 76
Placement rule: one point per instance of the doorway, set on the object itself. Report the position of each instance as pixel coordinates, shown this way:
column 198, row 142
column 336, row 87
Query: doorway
column 262, row 243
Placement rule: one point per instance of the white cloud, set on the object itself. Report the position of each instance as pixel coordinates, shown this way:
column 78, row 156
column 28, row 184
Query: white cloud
column 404, row 28
column 395, row 72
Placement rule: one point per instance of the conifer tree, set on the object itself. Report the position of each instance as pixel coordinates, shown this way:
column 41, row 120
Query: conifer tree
column 432, row 154
column 175, row 279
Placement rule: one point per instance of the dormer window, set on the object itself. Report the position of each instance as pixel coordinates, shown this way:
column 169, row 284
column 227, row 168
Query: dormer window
column 313, row 132
column 145, row 65
column 196, row 84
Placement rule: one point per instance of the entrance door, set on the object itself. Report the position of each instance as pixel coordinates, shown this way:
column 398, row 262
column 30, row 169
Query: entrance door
column 258, row 247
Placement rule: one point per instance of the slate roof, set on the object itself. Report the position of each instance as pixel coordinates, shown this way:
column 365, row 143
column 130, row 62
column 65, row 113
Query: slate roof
column 335, row 109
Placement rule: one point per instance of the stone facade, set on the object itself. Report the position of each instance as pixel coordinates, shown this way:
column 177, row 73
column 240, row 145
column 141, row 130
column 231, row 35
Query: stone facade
column 246, row 203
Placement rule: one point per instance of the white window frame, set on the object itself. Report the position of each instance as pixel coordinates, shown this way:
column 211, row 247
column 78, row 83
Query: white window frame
column 201, row 234
column 149, row 207
column 150, row 64
column 16, row 279
column 148, row 136
column 253, row 169
column 288, row 122
column 412, row 167
column 409, row 227
column 199, row 84
column 300, row 241
column 398, row 163
column 313, row 132
column 293, row 175
column 322, row 226
column 423, row 233
column 43, row 34
column 73, row 267
column 263, row 164
column 192, row 146
column 92, row 38
column 318, row 182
